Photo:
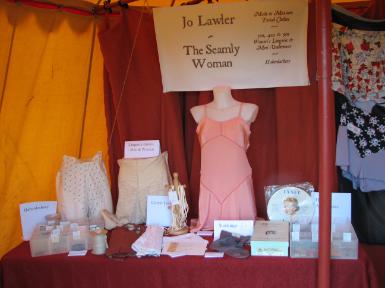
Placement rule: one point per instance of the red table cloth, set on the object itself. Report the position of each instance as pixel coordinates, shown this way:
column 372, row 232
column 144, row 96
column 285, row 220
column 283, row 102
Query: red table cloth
column 19, row 269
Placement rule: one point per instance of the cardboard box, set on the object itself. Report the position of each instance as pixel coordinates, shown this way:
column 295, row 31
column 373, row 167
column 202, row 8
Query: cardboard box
column 270, row 238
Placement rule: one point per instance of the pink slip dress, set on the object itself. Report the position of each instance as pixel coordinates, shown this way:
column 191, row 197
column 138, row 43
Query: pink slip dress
column 226, row 185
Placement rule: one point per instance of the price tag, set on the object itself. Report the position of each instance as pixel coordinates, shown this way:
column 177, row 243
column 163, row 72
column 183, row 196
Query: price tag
column 314, row 236
column 64, row 223
column 177, row 254
column 295, row 236
column 296, row 227
column 347, row 237
column 76, row 235
column 55, row 236
column 173, row 197
column 74, row 226
column 55, row 231
column 353, row 128
column 314, row 228
column 77, row 253
column 93, row 227
column 214, row 254
column 205, row 233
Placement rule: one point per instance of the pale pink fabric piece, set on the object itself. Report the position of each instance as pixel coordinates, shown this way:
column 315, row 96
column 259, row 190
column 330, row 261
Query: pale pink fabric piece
column 226, row 186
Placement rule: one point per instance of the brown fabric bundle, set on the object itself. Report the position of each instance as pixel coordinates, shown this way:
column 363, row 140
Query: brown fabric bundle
column 120, row 241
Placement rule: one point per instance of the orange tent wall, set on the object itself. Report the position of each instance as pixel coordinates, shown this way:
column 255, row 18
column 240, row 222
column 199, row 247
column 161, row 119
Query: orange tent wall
column 51, row 104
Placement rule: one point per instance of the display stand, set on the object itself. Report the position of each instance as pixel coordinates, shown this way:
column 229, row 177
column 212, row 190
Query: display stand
column 179, row 209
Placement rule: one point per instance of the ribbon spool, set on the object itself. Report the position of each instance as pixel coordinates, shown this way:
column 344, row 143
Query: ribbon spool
column 100, row 243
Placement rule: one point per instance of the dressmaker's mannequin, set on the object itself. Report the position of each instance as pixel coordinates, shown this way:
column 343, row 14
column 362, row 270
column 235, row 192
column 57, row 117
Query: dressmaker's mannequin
column 224, row 107
column 226, row 186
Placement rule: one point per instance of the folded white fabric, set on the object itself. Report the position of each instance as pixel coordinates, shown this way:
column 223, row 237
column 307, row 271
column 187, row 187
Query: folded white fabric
column 150, row 243
column 111, row 221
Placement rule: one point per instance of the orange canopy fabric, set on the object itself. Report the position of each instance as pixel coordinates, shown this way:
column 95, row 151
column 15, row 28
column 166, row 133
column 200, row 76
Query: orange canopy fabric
column 51, row 104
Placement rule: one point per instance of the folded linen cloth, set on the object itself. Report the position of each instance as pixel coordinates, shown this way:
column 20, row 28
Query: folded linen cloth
column 150, row 243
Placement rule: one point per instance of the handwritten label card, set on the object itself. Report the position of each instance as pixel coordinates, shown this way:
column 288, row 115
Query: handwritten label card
column 239, row 227
column 141, row 149
column 33, row 213
column 158, row 211
column 341, row 207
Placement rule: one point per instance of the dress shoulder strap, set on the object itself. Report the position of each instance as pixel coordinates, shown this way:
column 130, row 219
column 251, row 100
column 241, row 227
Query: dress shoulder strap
column 240, row 110
column 205, row 111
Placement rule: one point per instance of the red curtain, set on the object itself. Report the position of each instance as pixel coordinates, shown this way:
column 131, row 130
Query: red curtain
column 283, row 144
column 376, row 10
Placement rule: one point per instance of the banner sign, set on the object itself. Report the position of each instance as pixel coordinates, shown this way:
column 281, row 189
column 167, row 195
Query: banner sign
column 254, row 44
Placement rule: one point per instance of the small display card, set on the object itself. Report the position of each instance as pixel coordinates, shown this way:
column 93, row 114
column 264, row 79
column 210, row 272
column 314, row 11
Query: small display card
column 158, row 211
column 141, row 149
column 77, row 253
column 238, row 227
column 205, row 233
column 341, row 207
column 34, row 213
column 214, row 254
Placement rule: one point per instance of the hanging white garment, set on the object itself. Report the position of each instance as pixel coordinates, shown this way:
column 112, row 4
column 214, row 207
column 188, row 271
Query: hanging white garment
column 82, row 188
column 139, row 178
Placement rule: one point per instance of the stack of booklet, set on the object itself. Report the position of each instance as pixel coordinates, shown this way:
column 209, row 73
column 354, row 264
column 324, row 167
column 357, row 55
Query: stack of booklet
column 182, row 245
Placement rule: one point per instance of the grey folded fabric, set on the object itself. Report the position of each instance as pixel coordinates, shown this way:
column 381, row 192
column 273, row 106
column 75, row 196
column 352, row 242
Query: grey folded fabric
column 231, row 245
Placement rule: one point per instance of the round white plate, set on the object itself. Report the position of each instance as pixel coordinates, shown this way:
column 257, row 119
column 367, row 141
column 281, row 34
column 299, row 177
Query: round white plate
column 290, row 204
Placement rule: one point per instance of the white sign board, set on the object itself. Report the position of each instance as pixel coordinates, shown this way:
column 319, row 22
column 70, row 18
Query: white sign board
column 253, row 44
column 141, row 149
column 158, row 211
column 341, row 207
column 240, row 227
column 33, row 213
